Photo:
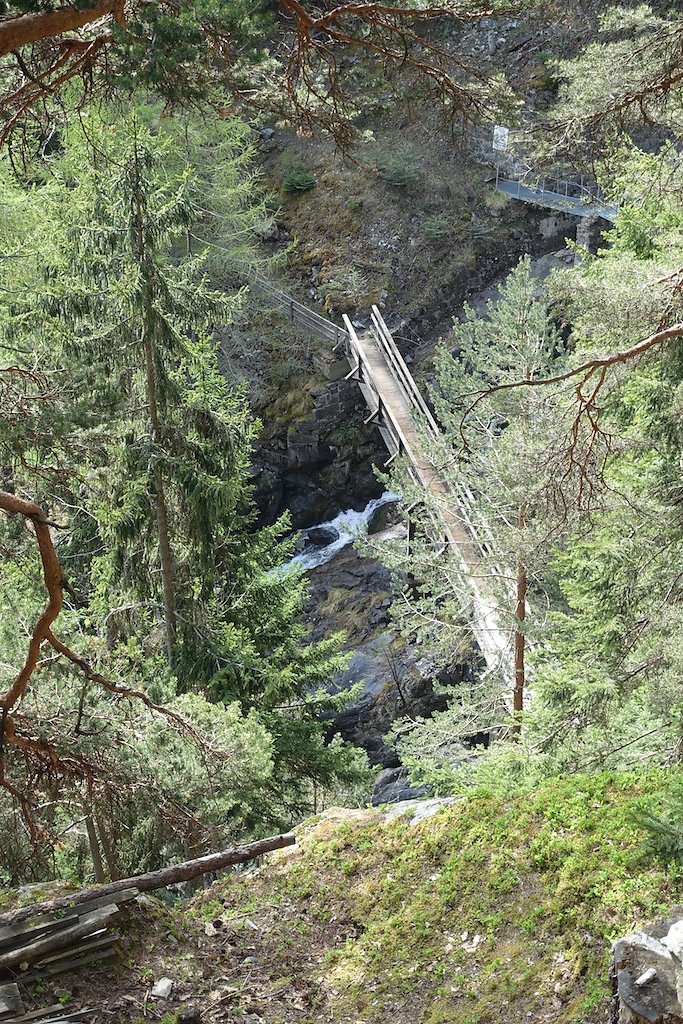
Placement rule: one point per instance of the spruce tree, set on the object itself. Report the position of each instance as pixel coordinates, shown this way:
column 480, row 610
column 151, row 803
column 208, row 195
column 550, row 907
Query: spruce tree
column 501, row 448
column 178, row 591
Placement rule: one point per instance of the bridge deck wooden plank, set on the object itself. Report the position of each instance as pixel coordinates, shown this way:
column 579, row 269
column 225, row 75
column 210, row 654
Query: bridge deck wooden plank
column 493, row 642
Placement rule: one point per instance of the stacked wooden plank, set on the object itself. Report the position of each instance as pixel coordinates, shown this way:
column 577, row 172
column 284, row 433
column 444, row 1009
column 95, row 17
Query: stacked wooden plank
column 52, row 943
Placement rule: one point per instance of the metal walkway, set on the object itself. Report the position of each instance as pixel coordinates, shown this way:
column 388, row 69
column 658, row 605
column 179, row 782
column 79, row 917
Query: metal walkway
column 573, row 197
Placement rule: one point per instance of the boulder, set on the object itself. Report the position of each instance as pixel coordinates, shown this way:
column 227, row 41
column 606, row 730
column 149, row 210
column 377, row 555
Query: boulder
column 321, row 536
column 647, row 975
column 392, row 786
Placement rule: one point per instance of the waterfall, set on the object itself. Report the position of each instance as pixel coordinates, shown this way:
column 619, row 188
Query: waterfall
column 346, row 527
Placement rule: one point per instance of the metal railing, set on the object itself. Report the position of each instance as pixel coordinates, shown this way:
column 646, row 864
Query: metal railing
column 361, row 371
column 578, row 192
column 401, row 373
column 298, row 314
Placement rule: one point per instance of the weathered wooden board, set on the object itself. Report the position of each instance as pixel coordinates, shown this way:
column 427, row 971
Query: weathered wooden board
column 46, row 1011
column 90, row 945
column 48, row 1016
column 10, row 1001
column 12, row 934
column 79, row 1015
column 63, row 966
column 86, row 925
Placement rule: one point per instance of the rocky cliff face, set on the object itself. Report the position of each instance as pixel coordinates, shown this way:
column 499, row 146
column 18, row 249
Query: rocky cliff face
column 317, row 458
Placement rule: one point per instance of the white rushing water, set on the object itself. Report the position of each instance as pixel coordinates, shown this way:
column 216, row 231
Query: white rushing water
column 347, row 525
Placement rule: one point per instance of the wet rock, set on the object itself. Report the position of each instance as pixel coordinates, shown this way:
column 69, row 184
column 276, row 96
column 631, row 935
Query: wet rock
column 380, row 518
column 188, row 1014
column 307, row 506
column 393, row 786
column 321, row 536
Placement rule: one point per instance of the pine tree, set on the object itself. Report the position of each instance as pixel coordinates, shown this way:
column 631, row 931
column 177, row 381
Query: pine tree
column 502, row 448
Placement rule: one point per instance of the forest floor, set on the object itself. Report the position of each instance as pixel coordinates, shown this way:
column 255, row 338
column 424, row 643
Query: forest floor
column 492, row 910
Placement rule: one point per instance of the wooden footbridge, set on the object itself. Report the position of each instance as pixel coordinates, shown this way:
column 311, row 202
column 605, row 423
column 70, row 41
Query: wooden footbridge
column 397, row 407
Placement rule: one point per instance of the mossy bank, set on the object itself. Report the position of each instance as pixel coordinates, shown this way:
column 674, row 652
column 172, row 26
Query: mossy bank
column 491, row 910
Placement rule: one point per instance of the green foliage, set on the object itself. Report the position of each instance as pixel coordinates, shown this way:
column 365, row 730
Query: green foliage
column 115, row 308
column 399, row 167
column 660, row 819
column 436, row 229
column 627, row 78
column 300, row 179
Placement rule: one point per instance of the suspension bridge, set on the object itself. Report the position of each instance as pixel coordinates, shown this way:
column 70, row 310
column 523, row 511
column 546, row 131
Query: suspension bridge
column 405, row 422
column 398, row 409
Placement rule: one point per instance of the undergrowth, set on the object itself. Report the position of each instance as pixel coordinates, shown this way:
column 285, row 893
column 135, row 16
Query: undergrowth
column 493, row 909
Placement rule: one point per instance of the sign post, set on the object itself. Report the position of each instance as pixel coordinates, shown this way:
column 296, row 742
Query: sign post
column 501, row 142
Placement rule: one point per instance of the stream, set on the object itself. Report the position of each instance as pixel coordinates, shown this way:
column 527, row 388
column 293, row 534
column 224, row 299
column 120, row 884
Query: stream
column 346, row 527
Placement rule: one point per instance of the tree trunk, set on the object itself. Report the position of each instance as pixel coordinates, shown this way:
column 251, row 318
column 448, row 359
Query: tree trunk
column 520, row 645
column 93, row 842
column 156, row 879
column 160, row 509
column 107, row 847
column 520, row 639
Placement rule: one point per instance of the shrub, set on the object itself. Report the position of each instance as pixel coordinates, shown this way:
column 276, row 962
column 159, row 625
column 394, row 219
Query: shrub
column 661, row 823
column 436, row 229
column 299, row 180
column 399, row 168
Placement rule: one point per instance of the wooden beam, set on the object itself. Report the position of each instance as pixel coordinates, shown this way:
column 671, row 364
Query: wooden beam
column 151, row 880
column 46, row 924
column 89, row 923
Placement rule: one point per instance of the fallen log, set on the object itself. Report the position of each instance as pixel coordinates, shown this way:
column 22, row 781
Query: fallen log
column 45, row 925
column 156, row 879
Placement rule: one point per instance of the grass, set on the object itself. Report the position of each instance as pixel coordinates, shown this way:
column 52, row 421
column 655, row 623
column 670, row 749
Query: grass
column 488, row 911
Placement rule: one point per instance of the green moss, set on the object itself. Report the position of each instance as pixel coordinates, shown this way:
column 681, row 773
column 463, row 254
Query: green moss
column 492, row 909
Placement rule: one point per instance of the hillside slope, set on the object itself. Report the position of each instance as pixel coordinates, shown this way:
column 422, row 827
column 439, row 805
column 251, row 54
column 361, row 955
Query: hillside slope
column 491, row 910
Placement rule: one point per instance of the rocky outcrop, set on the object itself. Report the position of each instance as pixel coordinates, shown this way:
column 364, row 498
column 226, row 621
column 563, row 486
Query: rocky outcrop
column 647, row 975
column 392, row 786
column 352, row 593
column 319, row 459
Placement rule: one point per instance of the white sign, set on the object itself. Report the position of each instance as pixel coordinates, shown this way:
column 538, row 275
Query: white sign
column 501, row 137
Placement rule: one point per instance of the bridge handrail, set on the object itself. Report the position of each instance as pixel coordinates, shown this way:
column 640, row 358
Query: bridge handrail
column 357, row 350
column 471, row 515
column 299, row 314
column 403, row 375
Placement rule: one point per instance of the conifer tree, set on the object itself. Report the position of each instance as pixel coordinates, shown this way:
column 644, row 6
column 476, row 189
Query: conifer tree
column 503, row 454
column 153, row 481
